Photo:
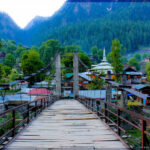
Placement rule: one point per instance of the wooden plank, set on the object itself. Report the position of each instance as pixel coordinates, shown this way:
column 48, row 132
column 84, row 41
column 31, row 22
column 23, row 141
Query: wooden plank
column 66, row 124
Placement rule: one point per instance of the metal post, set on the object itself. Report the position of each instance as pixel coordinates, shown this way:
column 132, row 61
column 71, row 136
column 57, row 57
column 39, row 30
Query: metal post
column 105, row 107
column 35, row 108
column 143, row 134
column 118, row 121
column 75, row 75
column 14, row 122
column 28, row 115
column 123, row 102
column 108, row 88
column 58, row 76
column 97, row 107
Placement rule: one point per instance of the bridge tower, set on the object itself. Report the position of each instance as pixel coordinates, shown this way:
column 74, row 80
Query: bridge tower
column 58, row 75
column 75, row 74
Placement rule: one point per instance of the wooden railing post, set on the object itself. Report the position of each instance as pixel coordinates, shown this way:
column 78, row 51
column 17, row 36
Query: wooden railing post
column 14, row 122
column 143, row 134
column 92, row 104
column 97, row 107
column 28, row 115
column 44, row 103
column 35, row 108
column 41, row 105
column 105, row 111
column 118, row 121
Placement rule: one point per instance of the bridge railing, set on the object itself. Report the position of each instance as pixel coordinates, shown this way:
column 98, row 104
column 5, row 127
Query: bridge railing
column 14, row 120
column 133, row 129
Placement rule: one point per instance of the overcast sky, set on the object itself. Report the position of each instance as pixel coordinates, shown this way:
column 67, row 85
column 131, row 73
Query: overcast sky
column 23, row 11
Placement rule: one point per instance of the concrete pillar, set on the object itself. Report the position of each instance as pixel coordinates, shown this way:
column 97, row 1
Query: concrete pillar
column 123, row 102
column 108, row 88
column 58, row 76
column 75, row 75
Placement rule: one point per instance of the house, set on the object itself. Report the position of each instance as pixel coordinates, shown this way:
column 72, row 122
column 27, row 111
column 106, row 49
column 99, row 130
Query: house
column 146, row 59
column 84, row 80
column 145, row 89
column 133, row 76
column 43, row 84
column 39, row 91
column 22, row 85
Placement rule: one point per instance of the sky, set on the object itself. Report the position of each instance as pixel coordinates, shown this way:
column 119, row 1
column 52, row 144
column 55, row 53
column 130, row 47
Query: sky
column 23, row 11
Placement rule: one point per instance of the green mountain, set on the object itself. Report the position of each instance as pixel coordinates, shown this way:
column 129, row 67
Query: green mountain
column 89, row 24
column 8, row 28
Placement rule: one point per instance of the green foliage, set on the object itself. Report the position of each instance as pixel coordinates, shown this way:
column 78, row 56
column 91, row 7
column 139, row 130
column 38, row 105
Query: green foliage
column 86, row 60
column 137, row 56
column 148, row 71
column 9, row 60
column 134, row 62
column 124, row 60
column 72, row 48
column 31, row 62
column 2, row 73
column 116, row 56
column 68, row 62
column 19, row 51
column 7, row 70
column 48, row 50
column 13, row 75
column 8, row 126
column 49, row 80
column 97, row 54
column 144, row 55
column 96, row 84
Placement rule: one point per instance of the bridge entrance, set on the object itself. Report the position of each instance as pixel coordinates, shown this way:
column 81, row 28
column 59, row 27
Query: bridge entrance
column 60, row 90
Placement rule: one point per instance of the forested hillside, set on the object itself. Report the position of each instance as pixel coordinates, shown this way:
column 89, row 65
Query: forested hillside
column 87, row 25
column 8, row 28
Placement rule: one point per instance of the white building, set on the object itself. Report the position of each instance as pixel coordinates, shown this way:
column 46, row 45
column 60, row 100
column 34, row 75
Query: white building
column 104, row 66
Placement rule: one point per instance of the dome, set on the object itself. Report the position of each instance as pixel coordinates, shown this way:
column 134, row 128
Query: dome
column 104, row 66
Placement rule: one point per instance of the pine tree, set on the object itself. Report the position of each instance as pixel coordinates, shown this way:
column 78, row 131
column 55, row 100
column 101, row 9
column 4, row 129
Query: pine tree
column 116, row 57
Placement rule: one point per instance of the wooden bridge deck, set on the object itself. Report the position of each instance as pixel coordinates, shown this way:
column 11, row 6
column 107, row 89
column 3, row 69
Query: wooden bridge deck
column 66, row 125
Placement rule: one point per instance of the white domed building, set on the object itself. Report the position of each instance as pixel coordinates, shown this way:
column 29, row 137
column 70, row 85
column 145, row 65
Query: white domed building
column 104, row 66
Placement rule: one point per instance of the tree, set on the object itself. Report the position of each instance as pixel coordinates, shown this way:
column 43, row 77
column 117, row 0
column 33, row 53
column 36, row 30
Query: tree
column 96, row 84
column 9, row 60
column 49, row 49
column 72, row 48
column 97, row 54
column 13, row 75
column 2, row 73
column 0, row 45
column 148, row 70
column 134, row 62
column 31, row 62
column 6, row 69
column 144, row 55
column 68, row 62
column 116, row 57
column 124, row 60
column 137, row 57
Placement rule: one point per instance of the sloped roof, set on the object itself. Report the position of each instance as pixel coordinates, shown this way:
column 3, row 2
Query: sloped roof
column 85, row 76
column 39, row 91
column 140, row 86
column 68, row 75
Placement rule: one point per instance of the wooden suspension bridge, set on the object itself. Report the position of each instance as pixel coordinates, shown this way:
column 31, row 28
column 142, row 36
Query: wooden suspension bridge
column 77, row 124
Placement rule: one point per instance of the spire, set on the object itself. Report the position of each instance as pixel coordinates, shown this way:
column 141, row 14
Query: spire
column 104, row 55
